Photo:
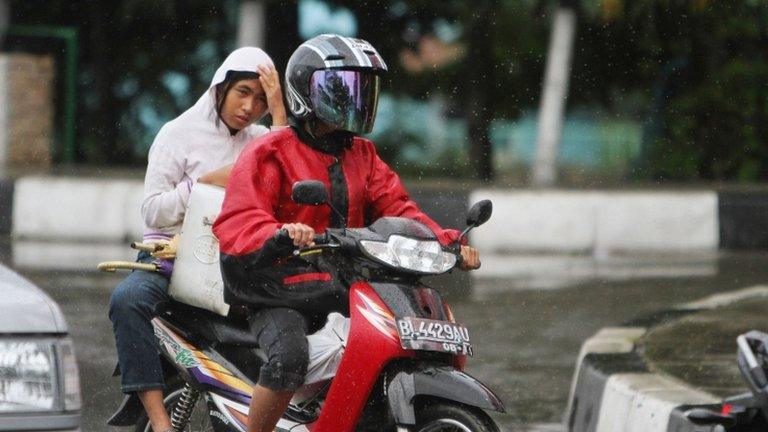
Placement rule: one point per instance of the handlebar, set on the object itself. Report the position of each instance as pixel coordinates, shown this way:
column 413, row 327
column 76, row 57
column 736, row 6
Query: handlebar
column 282, row 237
column 326, row 241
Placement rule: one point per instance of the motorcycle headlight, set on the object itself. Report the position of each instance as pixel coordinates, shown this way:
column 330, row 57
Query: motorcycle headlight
column 423, row 256
column 38, row 375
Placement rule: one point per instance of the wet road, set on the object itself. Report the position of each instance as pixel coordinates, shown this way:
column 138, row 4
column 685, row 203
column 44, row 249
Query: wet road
column 528, row 317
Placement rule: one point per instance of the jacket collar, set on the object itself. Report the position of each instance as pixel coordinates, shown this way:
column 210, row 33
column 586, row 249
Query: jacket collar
column 333, row 143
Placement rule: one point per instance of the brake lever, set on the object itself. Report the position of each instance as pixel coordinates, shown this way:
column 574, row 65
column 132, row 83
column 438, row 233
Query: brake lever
column 459, row 260
column 455, row 248
column 308, row 250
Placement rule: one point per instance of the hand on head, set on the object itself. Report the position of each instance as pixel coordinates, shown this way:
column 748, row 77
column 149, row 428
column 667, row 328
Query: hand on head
column 270, row 82
column 247, row 99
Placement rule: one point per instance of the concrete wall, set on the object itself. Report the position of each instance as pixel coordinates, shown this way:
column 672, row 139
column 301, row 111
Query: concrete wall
column 76, row 209
column 599, row 222
column 570, row 222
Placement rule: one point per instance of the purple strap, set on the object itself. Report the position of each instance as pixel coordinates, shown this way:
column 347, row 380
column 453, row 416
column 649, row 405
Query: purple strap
column 164, row 267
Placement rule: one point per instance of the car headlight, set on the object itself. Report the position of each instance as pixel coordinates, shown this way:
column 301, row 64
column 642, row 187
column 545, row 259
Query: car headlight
column 71, row 378
column 30, row 380
column 423, row 256
column 27, row 376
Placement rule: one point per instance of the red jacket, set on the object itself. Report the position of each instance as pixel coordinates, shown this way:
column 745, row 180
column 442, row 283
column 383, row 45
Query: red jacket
column 258, row 202
column 258, row 197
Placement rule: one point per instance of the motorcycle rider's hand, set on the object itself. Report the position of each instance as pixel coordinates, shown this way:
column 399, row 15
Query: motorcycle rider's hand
column 270, row 81
column 302, row 235
column 470, row 258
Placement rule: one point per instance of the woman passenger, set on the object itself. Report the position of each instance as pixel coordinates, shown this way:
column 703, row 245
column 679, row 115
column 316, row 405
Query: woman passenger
column 200, row 145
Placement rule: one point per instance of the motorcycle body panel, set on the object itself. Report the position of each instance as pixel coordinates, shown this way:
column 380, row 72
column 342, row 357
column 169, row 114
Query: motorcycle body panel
column 388, row 359
column 373, row 342
column 227, row 390
column 198, row 369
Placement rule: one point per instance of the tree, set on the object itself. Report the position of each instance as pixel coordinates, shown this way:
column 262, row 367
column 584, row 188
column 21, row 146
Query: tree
column 498, row 76
column 141, row 63
column 696, row 71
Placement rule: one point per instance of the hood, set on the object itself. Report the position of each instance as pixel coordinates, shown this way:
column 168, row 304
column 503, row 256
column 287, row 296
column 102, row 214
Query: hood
column 245, row 59
column 25, row 308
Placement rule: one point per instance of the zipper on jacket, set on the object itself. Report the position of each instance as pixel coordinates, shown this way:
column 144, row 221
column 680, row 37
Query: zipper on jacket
column 339, row 194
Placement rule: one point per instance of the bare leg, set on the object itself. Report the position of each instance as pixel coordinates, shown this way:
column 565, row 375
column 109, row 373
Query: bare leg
column 267, row 406
column 153, row 405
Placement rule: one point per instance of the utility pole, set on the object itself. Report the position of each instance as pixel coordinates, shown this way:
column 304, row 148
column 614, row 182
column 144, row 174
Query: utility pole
column 554, row 95
column 251, row 29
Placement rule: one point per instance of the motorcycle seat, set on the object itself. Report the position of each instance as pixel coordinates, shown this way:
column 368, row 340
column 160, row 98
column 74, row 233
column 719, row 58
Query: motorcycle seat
column 229, row 336
column 214, row 328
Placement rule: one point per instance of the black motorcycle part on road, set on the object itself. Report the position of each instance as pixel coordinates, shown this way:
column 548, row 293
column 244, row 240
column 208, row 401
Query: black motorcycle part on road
column 128, row 412
column 130, row 409
column 440, row 382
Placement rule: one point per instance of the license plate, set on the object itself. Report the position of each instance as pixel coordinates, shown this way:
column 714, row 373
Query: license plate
column 432, row 335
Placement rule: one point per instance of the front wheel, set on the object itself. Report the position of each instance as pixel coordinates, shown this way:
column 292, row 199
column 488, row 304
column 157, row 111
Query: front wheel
column 199, row 421
column 439, row 416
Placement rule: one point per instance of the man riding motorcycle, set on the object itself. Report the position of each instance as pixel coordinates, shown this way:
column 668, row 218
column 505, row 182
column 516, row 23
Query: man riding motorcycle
column 332, row 85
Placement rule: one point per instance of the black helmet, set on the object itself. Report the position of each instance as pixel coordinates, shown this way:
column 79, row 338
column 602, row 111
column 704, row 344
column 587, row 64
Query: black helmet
column 336, row 79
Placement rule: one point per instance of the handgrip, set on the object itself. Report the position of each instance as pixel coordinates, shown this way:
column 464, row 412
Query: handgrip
column 282, row 238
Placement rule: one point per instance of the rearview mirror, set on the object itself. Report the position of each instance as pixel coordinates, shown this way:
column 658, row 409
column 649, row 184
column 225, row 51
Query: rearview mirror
column 309, row 192
column 479, row 213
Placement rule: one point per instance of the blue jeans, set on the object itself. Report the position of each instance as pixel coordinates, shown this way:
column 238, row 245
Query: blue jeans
column 131, row 308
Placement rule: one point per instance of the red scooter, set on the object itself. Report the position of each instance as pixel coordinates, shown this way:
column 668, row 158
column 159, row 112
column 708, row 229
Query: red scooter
column 403, row 357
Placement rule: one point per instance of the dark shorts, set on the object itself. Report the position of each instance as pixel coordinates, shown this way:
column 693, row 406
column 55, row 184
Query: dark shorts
column 282, row 334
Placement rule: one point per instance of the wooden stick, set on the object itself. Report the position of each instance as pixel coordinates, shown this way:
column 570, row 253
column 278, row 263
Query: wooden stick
column 147, row 247
column 111, row 266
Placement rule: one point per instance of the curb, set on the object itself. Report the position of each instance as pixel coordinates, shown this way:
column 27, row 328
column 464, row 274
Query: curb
column 614, row 390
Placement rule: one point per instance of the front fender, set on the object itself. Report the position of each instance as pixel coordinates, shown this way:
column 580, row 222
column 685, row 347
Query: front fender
column 439, row 382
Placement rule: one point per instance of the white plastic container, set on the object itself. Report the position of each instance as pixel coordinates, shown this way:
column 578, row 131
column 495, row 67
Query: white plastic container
column 196, row 278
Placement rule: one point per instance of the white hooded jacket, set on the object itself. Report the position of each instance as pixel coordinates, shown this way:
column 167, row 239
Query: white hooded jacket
column 190, row 146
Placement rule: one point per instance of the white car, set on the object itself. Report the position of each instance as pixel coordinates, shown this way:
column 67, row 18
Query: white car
column 39, row 380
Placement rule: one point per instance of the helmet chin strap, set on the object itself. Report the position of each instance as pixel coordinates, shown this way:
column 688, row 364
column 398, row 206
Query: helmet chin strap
column 314, row 123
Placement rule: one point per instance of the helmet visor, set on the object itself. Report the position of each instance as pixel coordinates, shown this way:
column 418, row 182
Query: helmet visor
column 346, row 99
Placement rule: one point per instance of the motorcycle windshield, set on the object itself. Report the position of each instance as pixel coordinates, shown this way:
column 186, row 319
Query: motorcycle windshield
column 388, row 226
